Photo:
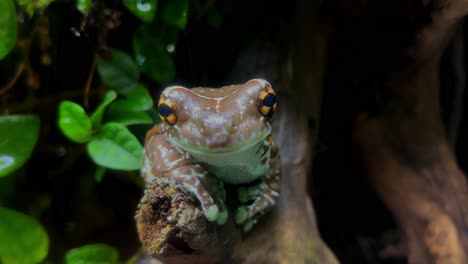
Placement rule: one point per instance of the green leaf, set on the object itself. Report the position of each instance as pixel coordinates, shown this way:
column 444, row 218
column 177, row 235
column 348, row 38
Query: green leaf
column 214, row 18
column 136, row 101
column 165, row 35
column 120, row 72
column 129, row 118
column 99, row 173
column 18, row 136
column 83, row 5
column 175, row 12
column 74, row 123
column 8, row 27
column 96, row 117
column 92, row 254
column 22, row 239
column 152, row 57
column 30, row 5
column 143, row 9
column 115, row 147
column 7, row 188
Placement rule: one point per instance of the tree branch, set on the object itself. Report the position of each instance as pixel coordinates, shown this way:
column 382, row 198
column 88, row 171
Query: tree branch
column 459, row 87
column 399, row 134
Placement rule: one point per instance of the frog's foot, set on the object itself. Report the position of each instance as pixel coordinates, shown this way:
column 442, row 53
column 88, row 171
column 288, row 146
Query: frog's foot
column 216, row 189
column 213, row 212
column 248, row 215
column 205, row 187
column 212, row 205
column 211, row 201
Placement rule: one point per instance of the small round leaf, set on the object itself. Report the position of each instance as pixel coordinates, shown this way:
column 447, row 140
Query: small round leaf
column 32, row 5
column 83, row 6
column 214, row 18
column 120, row 72
column 129, row 118
column 8, row 27
column 175, row 12
column 165, row 35
column 136, row 101
column 115, row 147
column 18, row 136
column 143, row 9
column 74, row 123
column 92, row 254
column 152, row 57
column 22, row 239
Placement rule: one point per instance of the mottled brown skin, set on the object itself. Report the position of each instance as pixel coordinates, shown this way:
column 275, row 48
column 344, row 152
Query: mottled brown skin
column 214, row 136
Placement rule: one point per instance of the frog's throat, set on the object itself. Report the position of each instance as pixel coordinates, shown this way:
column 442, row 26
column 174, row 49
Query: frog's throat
column 223, row 150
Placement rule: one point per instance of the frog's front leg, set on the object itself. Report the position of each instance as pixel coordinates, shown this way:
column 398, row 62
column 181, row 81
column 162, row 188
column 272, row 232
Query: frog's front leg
column 164, row 161
column 265, row 193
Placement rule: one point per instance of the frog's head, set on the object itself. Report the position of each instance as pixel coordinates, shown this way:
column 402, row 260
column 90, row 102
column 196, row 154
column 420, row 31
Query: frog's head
column 224, row 120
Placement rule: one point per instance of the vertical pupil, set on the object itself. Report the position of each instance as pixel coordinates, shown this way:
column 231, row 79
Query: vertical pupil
column 269, row 100
column 165, row 110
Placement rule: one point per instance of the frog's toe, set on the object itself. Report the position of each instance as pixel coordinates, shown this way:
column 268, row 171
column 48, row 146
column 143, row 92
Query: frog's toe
column 222, row 217
column 248, row 225
column 240, row 215
column 223, row 194
column 253, row 191
column 212, row 213
column 243, row 194
column 247, row 193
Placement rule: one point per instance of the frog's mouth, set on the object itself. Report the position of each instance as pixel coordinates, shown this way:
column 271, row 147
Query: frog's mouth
column 225, row 150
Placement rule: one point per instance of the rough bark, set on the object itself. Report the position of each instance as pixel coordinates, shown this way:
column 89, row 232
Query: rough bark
column 173, row 228
column 404, row 147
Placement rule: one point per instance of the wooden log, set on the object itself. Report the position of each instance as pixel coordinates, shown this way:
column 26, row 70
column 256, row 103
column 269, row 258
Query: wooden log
column 404, row 148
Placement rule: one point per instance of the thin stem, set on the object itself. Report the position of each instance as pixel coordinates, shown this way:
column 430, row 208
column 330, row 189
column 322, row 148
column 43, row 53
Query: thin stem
column 87, row 87
column 24, row 65
column 19, row 71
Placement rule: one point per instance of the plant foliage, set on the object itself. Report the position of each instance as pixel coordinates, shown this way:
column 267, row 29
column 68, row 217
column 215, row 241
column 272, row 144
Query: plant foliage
column 18, row 136
column 97, row 130
column 22, row 239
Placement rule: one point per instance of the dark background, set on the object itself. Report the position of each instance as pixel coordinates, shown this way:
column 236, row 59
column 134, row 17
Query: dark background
column 352, row 220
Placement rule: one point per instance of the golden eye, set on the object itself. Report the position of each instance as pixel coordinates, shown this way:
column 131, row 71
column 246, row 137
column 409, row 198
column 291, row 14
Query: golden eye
column 267, row 101
column 167, row 111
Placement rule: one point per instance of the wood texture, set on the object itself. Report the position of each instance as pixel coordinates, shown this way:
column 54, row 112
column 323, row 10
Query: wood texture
column 403, row 145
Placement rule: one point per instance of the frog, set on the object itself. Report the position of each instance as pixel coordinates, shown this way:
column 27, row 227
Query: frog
column 216, row 136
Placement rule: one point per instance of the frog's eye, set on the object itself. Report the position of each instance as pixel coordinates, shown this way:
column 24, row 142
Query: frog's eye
column 167, row 111
column 267, row 101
